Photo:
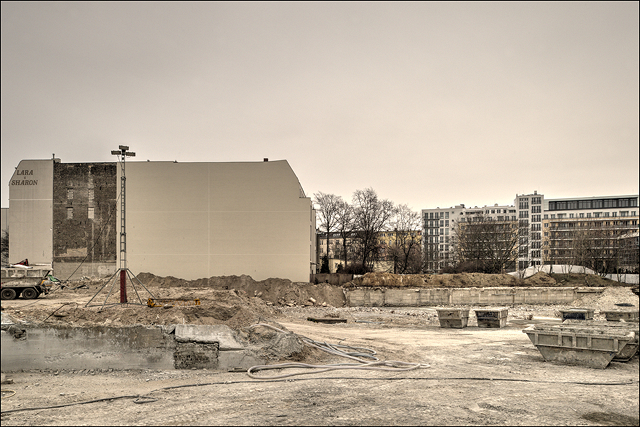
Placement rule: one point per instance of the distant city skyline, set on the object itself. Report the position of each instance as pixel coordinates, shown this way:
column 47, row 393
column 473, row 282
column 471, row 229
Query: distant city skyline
column 430, row 104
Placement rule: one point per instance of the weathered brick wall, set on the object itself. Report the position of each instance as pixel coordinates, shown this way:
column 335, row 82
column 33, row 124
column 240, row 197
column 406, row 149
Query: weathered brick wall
column 84, row 216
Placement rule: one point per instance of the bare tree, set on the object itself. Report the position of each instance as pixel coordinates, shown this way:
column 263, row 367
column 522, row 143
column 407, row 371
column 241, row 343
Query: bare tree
column 405, row 248
column 328, row 208
column 371, row 216
column 345, row 227
column 486, row 245
column 595, row 243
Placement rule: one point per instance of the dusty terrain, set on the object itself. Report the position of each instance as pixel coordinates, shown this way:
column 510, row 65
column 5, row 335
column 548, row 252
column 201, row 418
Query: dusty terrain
column 471, row 376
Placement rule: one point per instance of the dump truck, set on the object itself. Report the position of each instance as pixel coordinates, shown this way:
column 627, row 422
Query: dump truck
column 29, row 283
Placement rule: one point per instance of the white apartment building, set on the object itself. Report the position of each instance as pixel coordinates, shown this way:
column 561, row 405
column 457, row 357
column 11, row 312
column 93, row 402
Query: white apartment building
column 537, row 218
column 529, row 209
column 439, row 229
column 608, row 223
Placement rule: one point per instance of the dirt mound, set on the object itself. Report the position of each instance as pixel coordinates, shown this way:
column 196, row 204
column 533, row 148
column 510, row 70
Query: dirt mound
column 479, row 280
column 274, row 291
column 229, row 308
column 462, row 280
column 588, row 280
column 608, row 299
column 541, row 279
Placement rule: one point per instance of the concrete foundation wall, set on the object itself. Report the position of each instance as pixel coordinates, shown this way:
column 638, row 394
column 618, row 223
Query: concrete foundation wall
column 122, row 348
column 135, row 347
column 403, row 297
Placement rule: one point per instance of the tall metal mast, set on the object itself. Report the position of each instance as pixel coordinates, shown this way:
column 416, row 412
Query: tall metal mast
column 123, row 153
column 124, row 272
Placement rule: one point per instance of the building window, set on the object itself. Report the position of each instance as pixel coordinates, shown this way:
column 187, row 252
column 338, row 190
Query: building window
column 536, row 209
column 69, row 213
column 90, row 213
column 69, row 193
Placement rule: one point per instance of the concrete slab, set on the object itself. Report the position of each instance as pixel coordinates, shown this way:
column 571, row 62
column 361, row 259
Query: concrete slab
column 209, row 334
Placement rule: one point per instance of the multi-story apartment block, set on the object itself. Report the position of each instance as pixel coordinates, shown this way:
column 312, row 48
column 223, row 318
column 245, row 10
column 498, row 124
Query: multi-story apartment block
column 596, row 232
column 547, row 231
column 439, row 227
column 529, row 210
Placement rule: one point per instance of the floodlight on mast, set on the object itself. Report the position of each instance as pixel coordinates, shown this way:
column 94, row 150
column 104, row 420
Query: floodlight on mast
column 124, row 272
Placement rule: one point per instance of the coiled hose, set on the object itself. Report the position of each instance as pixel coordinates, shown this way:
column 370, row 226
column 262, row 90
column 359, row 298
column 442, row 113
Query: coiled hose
column 364, row 356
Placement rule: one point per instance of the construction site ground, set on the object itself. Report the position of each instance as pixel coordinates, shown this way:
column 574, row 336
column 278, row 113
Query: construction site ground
column 470, row 376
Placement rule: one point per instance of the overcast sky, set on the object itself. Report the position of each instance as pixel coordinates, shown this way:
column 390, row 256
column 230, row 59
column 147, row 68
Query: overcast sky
column 430, row 104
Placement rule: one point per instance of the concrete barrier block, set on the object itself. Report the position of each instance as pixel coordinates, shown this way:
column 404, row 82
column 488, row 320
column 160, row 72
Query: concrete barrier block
column 618, row 315
column 209, row 334
column 453, row 317
column 577, row 314
column 492, row 317
column 189, row 355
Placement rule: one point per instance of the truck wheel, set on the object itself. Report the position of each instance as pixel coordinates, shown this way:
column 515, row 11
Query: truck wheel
column 8, row 293
column 30, row 293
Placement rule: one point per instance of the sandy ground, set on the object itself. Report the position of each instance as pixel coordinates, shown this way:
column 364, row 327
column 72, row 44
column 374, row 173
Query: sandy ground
column 472, row 376
column 475, row 376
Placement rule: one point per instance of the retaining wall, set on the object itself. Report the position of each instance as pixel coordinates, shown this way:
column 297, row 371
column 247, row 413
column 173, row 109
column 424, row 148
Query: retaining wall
column 403, row 297
column 136, row 347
